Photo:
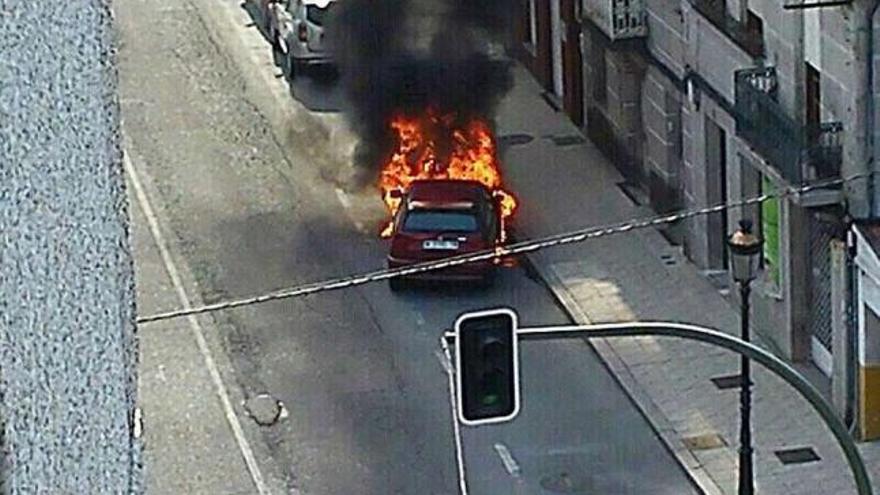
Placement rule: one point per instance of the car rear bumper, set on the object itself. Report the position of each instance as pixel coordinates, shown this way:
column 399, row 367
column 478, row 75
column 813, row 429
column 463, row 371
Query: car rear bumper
column 468, row 271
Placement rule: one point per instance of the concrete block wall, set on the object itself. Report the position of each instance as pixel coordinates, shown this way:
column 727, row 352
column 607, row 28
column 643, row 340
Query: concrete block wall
column 666, row 34
column 624, row 79
column 661, row 120
column 713, row 55
column 68, row 348
column 783, row 47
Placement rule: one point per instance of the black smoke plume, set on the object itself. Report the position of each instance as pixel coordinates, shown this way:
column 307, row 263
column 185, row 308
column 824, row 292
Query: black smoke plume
column 405, row 55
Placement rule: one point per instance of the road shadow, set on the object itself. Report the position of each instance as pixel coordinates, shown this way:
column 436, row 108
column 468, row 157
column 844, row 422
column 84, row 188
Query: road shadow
column 317, row 87
column 257, row 20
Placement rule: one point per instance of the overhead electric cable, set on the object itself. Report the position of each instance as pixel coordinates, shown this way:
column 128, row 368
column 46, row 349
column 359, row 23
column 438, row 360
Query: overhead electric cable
column 521, row 247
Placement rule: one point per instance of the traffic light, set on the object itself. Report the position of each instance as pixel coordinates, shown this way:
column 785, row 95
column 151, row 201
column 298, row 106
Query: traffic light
column 487, row 366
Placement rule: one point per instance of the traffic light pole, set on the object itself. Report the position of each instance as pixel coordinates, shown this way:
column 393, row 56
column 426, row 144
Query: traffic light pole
column 717, row 338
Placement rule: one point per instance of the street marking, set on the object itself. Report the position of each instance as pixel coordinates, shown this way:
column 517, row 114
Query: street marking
column 420, row 320
column 456, row 428
column 160, row 373
column 243, row 445
column 138, row 422
column 343, row 198
column 507, row 459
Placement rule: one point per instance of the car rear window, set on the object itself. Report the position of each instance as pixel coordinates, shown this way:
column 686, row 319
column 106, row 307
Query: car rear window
column 440, row 221
column 316, row 14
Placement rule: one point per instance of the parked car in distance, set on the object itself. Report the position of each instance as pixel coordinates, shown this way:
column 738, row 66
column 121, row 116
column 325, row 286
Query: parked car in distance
column 297, row 29
column 442, row 218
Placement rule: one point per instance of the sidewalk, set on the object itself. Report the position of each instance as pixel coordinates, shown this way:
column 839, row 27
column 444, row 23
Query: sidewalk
column 565, row 184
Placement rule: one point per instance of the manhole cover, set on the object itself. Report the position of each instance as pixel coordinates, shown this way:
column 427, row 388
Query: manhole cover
column 515, row 139
column 264, row 409
column 565, row 483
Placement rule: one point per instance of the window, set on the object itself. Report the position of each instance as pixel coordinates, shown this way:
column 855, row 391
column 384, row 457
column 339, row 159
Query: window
column 770, row 233
column 754, row 26
column 440, row 221
column 748, row 33
column 813, row 102
column 317, row 15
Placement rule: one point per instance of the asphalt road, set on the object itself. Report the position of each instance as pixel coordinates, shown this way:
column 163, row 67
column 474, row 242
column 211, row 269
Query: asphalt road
column 358, row 369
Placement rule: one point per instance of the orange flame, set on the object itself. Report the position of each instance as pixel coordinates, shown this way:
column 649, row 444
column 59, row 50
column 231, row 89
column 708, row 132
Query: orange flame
column 434, row 146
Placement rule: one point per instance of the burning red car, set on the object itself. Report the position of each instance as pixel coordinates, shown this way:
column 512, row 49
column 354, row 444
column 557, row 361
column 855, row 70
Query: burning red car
column 438, row 218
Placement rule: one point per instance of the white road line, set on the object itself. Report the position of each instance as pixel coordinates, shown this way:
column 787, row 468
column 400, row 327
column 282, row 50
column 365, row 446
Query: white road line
column 456, row 429
column 196, row 328
column 507, row 459
column 343, row 198
column 420, row 320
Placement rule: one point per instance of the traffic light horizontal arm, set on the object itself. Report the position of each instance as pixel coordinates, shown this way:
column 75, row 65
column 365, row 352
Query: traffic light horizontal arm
column 721, row 339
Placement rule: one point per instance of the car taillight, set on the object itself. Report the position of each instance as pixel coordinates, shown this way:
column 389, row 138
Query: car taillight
column 303, row 32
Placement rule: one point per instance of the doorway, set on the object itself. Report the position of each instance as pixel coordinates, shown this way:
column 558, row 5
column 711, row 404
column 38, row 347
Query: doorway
column 716, row 193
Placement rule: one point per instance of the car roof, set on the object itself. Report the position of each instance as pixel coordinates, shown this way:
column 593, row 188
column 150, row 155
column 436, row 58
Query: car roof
column 444, row 193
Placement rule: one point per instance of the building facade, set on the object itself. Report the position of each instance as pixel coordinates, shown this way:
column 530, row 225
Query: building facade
column 702, row 102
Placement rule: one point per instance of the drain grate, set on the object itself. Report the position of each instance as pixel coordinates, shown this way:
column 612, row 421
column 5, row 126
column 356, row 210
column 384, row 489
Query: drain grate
column 668, row 259
column 798, row 455
column 726, row 382
column 570, row 140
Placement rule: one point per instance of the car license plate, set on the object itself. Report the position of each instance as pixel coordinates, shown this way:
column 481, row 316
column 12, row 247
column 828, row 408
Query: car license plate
column 440, row 245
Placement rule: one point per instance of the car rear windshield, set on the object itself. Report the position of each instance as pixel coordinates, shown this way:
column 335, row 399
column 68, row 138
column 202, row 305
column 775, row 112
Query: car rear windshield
column 316, row 14
column 440, row 221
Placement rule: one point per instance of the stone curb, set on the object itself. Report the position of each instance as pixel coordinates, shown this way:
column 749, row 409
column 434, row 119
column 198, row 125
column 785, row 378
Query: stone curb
column 658, row 421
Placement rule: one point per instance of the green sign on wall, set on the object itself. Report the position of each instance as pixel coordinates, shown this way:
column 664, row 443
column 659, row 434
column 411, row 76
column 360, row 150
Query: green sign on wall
column 770, row 232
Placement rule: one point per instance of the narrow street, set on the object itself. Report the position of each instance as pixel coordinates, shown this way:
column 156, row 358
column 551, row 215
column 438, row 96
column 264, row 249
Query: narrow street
column 244, row 210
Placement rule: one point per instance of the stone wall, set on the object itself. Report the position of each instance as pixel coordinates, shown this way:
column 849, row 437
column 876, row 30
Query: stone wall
column 67, row 333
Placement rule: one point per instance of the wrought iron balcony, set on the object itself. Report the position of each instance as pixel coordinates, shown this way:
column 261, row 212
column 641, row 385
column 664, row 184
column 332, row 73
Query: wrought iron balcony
column 800, row 154
column 618, row 19
column 749, row 37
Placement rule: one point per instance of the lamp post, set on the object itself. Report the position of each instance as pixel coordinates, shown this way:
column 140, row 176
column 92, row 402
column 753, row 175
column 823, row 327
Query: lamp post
column 745, row 248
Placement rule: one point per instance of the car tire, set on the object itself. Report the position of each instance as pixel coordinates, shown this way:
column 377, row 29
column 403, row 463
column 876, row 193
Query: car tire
column 396, row 284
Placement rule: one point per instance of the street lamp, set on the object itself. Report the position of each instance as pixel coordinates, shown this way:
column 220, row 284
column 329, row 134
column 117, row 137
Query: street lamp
column 744, row 254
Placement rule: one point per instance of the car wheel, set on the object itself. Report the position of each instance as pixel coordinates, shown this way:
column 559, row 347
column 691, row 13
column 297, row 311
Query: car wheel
column 396, row 284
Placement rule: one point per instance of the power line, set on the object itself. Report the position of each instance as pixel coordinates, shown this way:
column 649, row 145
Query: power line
column 490, row 254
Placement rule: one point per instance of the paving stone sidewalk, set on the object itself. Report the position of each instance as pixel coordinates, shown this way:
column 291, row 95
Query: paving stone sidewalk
column 565, row 183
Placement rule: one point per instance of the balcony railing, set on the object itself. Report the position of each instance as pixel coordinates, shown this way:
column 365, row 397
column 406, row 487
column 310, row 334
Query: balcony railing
column 800, row 154
column 749, row 39
column 618, row 19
